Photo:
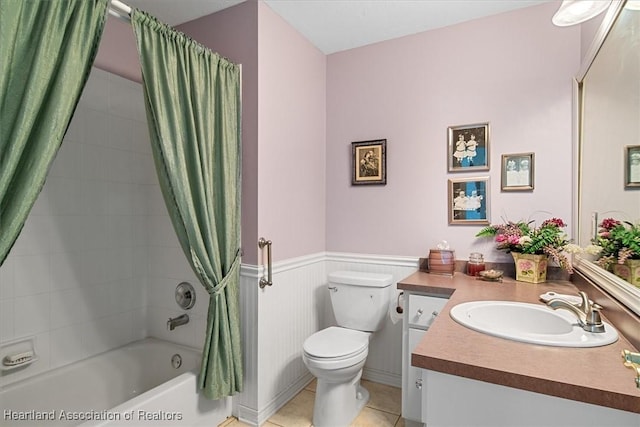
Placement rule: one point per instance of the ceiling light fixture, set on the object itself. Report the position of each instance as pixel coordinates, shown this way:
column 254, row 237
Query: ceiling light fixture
column 574, row 12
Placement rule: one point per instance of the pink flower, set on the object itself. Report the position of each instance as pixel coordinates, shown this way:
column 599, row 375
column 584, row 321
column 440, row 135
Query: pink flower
column 554, row 221
column 513, row 240
column 609, row 223
column 501, row 238
column 525, row 238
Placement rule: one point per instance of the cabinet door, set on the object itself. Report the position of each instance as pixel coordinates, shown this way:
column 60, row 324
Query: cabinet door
column 412, row 409
column 456, row 401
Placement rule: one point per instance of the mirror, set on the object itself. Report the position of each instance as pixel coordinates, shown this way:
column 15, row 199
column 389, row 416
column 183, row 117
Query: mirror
column 609, row 109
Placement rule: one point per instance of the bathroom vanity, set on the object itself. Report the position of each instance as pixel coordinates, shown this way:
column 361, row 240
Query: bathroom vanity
column 466, row 377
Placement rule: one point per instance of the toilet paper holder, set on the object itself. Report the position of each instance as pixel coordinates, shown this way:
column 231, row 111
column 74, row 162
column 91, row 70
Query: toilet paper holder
column 399, row 308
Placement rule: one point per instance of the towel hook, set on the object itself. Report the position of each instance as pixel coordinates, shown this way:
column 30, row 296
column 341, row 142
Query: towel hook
column 266, row 281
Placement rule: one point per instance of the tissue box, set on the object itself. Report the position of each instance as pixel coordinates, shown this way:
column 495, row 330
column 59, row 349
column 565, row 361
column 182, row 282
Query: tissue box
column 441, row 261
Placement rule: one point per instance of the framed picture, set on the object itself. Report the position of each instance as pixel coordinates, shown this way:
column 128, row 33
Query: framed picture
column 469, row 201
column 468, row 148
column 632, row 166
column 369, row 162
column 517, row 172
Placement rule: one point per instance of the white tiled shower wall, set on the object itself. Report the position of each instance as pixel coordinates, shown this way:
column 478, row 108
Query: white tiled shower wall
column 97, row 236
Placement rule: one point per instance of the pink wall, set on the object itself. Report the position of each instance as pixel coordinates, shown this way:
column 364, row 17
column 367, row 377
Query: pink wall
column 513, row 70
column 233, row 33
column 301, row 111
column 117, row 53
column 291, row 111
column 283, row 124
column 283, row 113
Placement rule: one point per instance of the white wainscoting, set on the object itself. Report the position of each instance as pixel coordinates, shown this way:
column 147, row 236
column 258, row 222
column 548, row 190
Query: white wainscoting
column 277, row 319
column 245, row 404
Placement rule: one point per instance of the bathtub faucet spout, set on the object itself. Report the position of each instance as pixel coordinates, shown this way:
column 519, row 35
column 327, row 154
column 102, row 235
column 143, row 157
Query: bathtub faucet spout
column 177, row 321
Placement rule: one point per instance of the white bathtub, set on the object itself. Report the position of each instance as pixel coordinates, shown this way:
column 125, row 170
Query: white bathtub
column 133, row 385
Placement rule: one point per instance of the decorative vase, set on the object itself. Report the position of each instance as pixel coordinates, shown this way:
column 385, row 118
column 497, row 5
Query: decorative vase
column 629, row 271
column 530, row 268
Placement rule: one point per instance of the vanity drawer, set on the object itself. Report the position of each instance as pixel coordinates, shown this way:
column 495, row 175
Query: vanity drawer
column 423, row 309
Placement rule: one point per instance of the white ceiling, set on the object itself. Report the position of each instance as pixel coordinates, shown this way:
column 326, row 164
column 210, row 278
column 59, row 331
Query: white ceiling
column 175, row 12
column 336, row 25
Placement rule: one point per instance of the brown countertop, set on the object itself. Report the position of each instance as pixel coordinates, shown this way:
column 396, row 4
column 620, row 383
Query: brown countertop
column 593, row 375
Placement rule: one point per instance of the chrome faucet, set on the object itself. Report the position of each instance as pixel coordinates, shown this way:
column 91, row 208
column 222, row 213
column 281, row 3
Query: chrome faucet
column 177, row 321
column 587, row 312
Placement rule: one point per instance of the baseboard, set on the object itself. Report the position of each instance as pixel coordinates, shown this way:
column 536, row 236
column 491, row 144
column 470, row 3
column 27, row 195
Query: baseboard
column 250, row 416
column 381, row 377
column 247, row 415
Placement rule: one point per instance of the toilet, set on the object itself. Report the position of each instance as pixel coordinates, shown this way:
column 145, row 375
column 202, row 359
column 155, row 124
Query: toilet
column 336, row 355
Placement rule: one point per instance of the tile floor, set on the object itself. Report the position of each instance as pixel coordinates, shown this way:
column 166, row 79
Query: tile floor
column 382, row 410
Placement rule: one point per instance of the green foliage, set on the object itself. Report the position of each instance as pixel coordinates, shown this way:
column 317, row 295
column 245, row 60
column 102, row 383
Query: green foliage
column 628, row 238
column 523, row 237
column 619, row 241
column 488, row 231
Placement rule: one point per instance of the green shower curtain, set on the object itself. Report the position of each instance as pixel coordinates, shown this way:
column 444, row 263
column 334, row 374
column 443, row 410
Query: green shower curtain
column 192, row 98
column 47, row 49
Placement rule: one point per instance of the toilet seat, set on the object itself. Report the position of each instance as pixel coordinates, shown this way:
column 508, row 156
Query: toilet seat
column 335, row 342
column 335, row 348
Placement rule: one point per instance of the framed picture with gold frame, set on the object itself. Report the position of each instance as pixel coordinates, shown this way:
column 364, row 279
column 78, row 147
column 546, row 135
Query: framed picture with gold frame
column 369, row 162
column 469, row 201
column 632, row 166
column 517, row 172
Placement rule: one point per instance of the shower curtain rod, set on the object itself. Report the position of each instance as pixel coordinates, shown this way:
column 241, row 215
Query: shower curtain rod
column 123, row 11
column 120, row 10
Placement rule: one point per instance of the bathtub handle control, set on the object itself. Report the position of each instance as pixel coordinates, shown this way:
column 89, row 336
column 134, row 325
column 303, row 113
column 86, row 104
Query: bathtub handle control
column 185, row 295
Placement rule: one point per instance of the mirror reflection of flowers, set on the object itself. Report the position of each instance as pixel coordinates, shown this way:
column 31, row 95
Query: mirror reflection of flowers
column 525, row 238
column 617, row 241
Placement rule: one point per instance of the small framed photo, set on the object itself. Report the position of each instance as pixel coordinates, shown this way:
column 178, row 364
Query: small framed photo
column 517, row 172
column 632, row 166
column 469, row 201
column 468, row 148
column 369, row 162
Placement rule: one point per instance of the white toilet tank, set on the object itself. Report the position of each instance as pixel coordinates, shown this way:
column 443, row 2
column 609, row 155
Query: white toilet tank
column 360, row 300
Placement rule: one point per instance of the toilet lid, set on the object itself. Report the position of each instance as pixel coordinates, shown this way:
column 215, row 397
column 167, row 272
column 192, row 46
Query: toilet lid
column 335, row 342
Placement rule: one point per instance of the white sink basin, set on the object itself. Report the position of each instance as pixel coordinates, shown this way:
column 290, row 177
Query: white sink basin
column 530, row 323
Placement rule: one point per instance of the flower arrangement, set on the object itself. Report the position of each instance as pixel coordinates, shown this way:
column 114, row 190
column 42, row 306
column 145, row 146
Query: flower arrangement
column 617, row 241
column 523, row 237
